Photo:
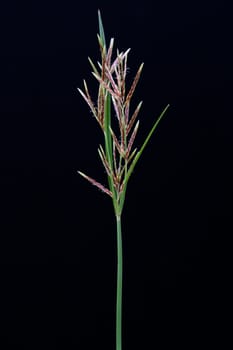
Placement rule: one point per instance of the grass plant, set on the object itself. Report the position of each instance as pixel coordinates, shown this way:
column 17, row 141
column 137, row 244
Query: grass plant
column 117, row 155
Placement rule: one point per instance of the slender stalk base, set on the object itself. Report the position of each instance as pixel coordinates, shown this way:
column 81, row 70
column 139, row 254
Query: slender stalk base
column 119, row 286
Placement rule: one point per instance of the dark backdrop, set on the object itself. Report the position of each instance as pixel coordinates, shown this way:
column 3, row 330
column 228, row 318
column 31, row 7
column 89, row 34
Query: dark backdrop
column 57, row 233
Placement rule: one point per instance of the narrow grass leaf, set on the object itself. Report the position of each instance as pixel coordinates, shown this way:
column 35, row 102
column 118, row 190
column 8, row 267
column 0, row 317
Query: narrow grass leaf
column 144, row 145
column 108, row 138
column 101, row 29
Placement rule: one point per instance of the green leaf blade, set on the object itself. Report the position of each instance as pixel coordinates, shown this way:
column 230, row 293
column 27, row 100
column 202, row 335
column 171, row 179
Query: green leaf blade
column 101, row 29
column 139, row 153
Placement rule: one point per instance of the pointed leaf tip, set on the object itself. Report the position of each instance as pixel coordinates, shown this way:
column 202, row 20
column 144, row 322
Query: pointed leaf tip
column 101, row 29
column 139, row 153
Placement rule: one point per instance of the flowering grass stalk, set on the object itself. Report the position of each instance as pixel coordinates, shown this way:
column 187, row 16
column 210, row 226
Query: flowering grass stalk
column 117, row 155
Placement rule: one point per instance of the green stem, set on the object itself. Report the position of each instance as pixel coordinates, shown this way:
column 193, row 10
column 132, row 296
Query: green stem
column 119, row 285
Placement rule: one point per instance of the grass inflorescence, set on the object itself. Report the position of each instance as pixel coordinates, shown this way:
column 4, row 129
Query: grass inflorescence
column 118, row 154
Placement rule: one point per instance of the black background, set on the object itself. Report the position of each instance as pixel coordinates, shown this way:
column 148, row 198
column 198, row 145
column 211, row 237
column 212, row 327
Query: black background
column 57, row 232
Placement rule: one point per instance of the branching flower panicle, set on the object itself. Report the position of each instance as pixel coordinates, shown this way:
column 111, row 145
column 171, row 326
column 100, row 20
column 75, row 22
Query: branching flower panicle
column 118, row 155
column 111, row 76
